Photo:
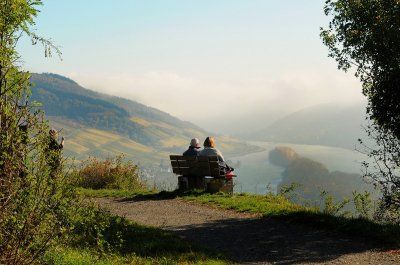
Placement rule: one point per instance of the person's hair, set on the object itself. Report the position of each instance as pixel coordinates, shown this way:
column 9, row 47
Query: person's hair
column 53, row 132
column 209, row 142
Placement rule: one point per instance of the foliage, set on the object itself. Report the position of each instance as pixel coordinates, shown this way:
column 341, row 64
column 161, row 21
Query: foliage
column 365, row 34
column 34, row 196
column 384, row 172
column 331, row 207
column 288, row 191
column 363, row 205
column 111, row 173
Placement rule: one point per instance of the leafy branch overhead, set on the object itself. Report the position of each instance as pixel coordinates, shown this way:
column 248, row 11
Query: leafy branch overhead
column 365, row 34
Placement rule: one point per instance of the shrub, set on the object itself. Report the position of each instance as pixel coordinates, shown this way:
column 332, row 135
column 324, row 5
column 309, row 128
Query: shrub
column 91, row 226
column 34, row 196
column 111, row 173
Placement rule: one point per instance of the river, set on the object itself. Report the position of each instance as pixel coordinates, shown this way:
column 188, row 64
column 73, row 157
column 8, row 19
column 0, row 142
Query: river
column 257, row 175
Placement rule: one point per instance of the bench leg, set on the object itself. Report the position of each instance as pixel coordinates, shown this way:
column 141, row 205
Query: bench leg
column 183, row 183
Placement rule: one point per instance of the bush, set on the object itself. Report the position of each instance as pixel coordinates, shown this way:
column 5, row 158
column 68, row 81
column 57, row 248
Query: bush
column 112, row 173
column 91, row 226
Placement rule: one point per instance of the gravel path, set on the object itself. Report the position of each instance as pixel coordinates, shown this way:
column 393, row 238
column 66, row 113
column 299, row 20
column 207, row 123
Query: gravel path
column 246, row 238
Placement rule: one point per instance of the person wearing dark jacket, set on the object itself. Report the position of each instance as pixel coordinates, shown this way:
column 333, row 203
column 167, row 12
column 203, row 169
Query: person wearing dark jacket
column 193, row 148
column 53, row 152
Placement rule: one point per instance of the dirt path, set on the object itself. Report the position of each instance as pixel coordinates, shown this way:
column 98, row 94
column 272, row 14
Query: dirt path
column 247, row 238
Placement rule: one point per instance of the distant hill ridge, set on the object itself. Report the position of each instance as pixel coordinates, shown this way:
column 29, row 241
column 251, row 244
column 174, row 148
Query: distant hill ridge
column 99, row 124
column 325, row 124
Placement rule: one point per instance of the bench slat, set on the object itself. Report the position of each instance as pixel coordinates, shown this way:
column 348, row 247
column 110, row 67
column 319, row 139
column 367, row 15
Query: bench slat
column 203, row 159
column 195, row 166
column 183, row 163
column 176, row 170
column 176, row 157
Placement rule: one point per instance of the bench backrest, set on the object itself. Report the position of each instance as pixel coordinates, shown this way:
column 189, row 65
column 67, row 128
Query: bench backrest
column 196, row 166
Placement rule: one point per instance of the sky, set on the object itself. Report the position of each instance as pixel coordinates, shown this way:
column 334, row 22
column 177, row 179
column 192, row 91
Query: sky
column 222, row 64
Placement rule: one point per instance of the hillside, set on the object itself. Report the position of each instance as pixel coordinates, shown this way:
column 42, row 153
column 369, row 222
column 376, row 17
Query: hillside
column 327, row 124
column 102, row 125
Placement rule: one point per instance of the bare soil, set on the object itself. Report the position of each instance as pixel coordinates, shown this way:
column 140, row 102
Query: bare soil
column 247, row 238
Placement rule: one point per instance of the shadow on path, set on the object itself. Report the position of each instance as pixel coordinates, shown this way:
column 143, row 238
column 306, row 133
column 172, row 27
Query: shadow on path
column 246, row 238
column 163, row 195
column 267, row 240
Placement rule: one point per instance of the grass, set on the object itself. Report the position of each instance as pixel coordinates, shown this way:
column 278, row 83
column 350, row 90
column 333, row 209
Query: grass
column 75, row 256
column 105, row 193
column 70, row 256
column 131, row 243
column 268, row 206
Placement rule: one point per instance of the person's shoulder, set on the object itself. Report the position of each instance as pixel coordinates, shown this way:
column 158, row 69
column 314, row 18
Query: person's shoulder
column 214, row 150
column 217, row 150
column 186, row 152
column 202, row 152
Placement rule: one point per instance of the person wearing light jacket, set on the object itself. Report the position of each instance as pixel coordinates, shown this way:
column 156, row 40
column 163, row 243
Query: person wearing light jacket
column 211, row 150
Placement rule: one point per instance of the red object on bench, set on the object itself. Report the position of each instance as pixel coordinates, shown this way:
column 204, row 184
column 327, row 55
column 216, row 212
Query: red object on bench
column 229, row 175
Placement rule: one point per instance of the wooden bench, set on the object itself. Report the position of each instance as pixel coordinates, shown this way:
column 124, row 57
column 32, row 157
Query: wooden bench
column 203, row 173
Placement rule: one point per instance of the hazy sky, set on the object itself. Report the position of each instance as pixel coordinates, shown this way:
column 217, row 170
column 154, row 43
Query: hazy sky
column 213, row 62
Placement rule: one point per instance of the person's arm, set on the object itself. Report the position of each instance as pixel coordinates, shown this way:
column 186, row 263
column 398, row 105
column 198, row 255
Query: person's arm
column 222, row 159
column 220, row 156
column 62, row 142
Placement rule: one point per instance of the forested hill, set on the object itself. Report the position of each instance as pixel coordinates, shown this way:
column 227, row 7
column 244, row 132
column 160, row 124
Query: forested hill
column 111, row 124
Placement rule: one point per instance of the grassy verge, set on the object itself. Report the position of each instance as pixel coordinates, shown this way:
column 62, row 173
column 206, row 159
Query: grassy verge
column 280, row 208
column 104, row 193
column 75, row 256
column 120, row 241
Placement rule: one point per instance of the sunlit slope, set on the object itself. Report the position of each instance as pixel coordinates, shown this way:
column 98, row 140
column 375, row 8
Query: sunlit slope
column 100, row 125
column 82, row 142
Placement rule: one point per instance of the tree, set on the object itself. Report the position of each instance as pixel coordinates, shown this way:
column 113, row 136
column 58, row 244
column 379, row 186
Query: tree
column 32, row 203
column 364, row 34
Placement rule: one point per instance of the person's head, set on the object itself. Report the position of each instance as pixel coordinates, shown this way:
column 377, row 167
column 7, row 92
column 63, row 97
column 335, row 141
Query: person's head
column 209, row 142
column 195, row 143
column 53, row 133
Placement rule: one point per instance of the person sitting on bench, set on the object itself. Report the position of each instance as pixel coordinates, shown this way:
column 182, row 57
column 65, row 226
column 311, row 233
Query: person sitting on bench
column 193, row 148
column 211, row 150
